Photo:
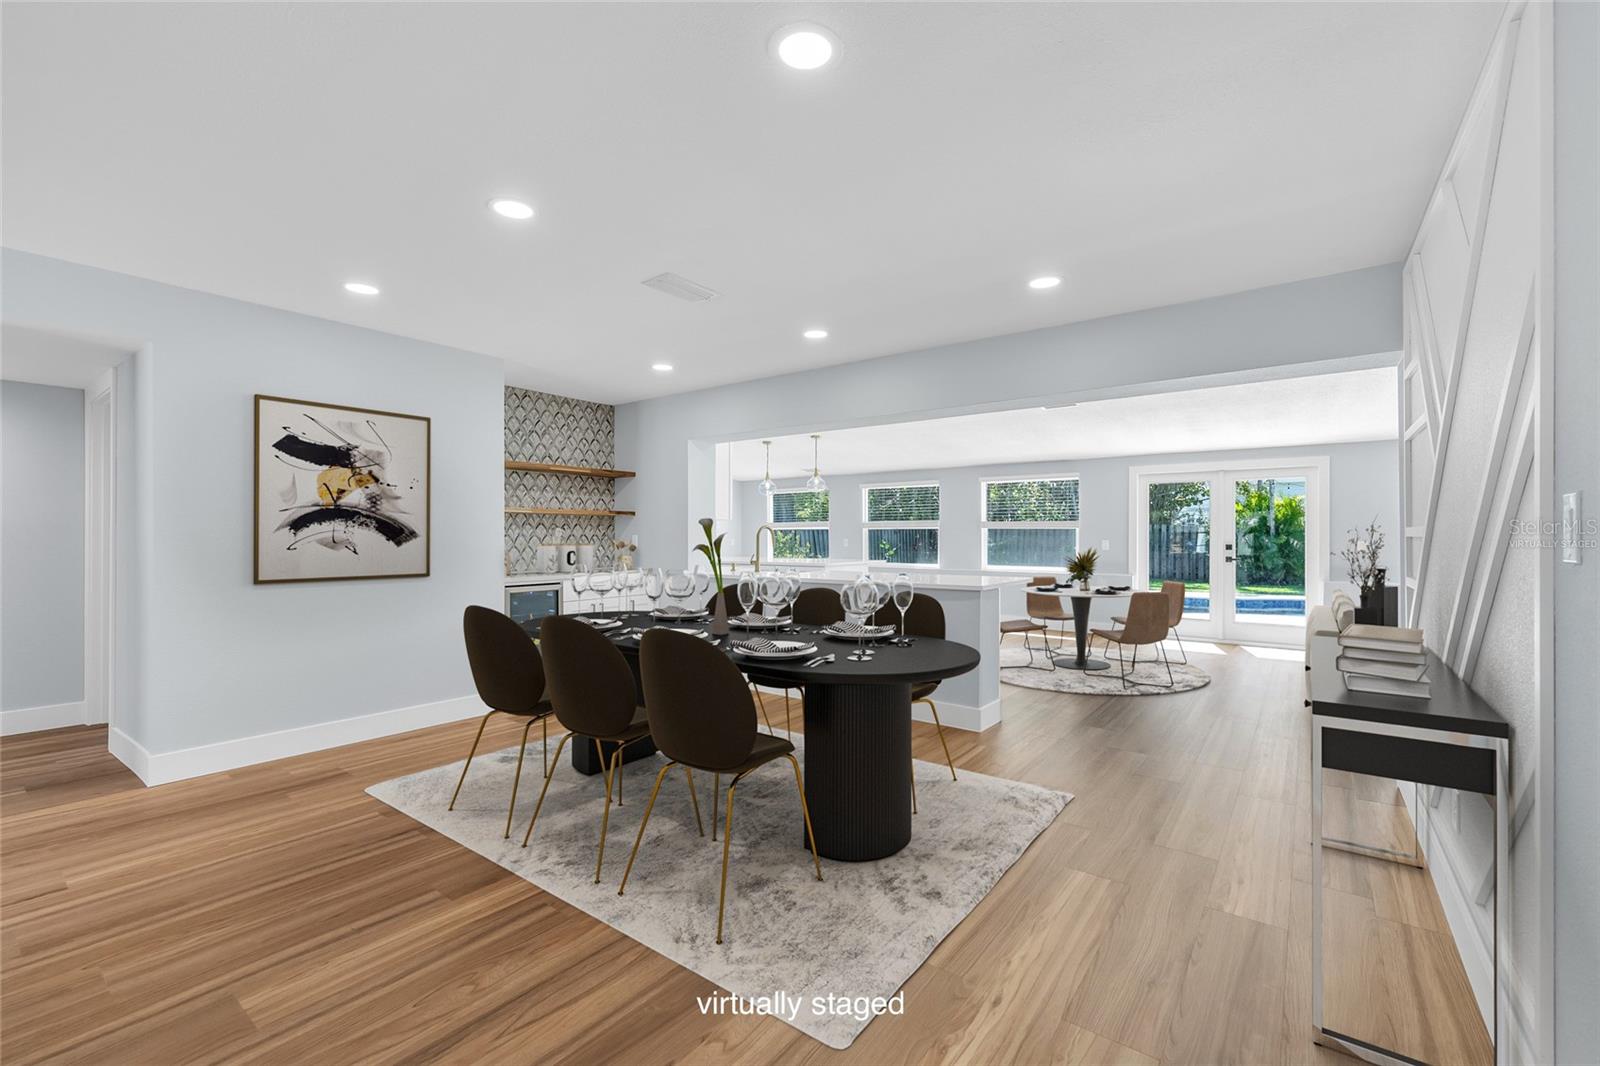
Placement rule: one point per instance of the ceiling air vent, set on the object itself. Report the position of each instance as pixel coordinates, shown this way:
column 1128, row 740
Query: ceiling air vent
column 681, row 287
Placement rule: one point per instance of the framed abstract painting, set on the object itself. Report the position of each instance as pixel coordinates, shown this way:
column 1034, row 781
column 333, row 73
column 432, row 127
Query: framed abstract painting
column 340, row 492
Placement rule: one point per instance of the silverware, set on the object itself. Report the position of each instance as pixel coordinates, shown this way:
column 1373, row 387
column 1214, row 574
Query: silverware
column 820, row 660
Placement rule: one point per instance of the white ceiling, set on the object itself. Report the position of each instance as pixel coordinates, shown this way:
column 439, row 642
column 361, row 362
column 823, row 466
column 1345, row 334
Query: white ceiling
column 1149, row 153
column 1354, row 405
column 41, row 357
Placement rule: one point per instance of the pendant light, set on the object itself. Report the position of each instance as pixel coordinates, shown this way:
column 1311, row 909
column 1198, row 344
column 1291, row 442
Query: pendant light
column 814, row 483
column 768, row 486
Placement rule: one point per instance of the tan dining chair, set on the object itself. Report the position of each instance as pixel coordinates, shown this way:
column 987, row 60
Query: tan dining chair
column 700, row 720
column 1175, row 592
column 1048, row 607
column 1146, row 624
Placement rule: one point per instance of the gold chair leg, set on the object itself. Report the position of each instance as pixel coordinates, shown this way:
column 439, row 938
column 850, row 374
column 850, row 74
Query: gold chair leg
column 605, row 769
column 544, row 743
column 694, row 799
column 534, row 820
column 716, row 791
column 648, row 807
column 940, row 727
column 805, row 812
column 727, row 835
column 468, row 765
column 787, row 727
column 517, row 780
column 605, row 816
column 913, row 784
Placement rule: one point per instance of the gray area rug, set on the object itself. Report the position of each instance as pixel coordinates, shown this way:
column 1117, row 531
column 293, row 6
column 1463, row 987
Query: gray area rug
column 860, row 932
column 1152, row 676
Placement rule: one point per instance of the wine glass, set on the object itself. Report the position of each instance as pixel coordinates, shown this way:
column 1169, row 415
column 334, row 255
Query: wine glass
column 860, row 598
column 702, row 582
column 791, row 593
column 769, row 590
column 679, row 587
column 619, row 581
column 904, row 592
column 580, row 584
column 655, row 583
column 748, row 586
column 600, row 584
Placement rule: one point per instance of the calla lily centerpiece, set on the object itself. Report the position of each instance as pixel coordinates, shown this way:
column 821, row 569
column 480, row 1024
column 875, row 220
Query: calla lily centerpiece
column 712, row 550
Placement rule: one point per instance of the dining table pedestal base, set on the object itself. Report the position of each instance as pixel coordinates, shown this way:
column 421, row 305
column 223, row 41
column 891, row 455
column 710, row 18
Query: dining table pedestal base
column 858, row 769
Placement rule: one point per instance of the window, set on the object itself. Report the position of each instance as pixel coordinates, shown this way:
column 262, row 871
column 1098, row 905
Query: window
column 902, row 524
column 1030, row 524
column 801, row 519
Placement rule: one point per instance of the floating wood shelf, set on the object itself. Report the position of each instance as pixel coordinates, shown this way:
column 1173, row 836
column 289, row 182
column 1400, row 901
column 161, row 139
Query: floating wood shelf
column 570, row 512
column 561, row 468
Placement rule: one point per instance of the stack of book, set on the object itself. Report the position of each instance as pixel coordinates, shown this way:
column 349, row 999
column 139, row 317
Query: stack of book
column 1384, row 659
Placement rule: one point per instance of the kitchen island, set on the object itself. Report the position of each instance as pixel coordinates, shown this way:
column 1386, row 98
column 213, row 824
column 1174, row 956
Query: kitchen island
column 971, row 605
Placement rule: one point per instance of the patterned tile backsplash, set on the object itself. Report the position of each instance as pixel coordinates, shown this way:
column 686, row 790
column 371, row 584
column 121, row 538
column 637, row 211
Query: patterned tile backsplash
column 543, row 428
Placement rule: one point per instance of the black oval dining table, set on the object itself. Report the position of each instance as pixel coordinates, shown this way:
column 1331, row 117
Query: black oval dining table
column 857, row 728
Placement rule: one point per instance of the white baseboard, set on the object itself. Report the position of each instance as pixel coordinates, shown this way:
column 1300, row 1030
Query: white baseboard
column 160, row 768
column 130, row 752
column 35, row 719
column 959, row 715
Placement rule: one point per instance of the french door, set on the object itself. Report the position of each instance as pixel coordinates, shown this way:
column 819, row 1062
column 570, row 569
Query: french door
column 1247, row 541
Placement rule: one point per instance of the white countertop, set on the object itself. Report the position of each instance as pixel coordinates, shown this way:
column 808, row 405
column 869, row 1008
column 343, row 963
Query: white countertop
column 922, row 579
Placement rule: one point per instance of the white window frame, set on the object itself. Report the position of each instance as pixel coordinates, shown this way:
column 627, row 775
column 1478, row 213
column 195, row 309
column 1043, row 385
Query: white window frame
column 984, row 525
column 866, row 527
column 785, row 526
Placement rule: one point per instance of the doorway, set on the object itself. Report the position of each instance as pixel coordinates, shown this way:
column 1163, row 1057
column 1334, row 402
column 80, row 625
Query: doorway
column 1248, row 541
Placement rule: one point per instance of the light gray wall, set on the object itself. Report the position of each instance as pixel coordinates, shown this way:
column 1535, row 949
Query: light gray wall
column 41, row 545
column 1363, row 485
column 211, row 656
column 1577, row 588
column 1345, row 317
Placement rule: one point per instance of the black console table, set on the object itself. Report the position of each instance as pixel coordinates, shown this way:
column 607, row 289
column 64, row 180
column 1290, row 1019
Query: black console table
column 1453, row 740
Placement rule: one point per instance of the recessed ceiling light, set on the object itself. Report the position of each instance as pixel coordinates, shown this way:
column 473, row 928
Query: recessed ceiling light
column 815, row 334
column 360, row 288
column 661, row 368
column 1049, row 281
column 515, row 209
column 803, row 46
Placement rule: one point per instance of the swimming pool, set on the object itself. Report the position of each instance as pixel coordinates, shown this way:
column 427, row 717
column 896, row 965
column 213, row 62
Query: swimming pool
column 1267, row 605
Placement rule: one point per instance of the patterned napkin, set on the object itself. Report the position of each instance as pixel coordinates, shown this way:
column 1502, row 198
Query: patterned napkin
column 766, row 647
column 856, row 629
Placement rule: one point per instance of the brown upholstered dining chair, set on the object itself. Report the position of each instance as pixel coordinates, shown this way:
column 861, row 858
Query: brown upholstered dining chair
column 509, row 675
column 818, row 607
column 924, row 618
column 593, row 692
column 730, row 596
column 701, row 719
column 1175, row 592
column 1146, row 624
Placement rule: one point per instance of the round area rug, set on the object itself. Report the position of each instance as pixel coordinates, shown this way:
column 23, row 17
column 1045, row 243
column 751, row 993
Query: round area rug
column 1146, row 679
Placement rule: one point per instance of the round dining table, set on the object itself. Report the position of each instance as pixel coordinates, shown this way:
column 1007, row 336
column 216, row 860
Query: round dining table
column 1082, row 604
column 857, row 726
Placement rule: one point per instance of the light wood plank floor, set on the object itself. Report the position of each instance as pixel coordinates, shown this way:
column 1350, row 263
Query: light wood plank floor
column 277, row 914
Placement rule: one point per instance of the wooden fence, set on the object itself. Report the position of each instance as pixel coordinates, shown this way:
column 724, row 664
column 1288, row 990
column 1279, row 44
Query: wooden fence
column 1178, row 553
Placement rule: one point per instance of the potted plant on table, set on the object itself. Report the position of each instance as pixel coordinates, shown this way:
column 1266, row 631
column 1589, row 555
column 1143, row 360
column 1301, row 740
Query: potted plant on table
column 1080, row 567
column 712, row 550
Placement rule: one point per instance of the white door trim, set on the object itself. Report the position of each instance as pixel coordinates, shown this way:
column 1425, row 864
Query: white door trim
column 99, row 547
